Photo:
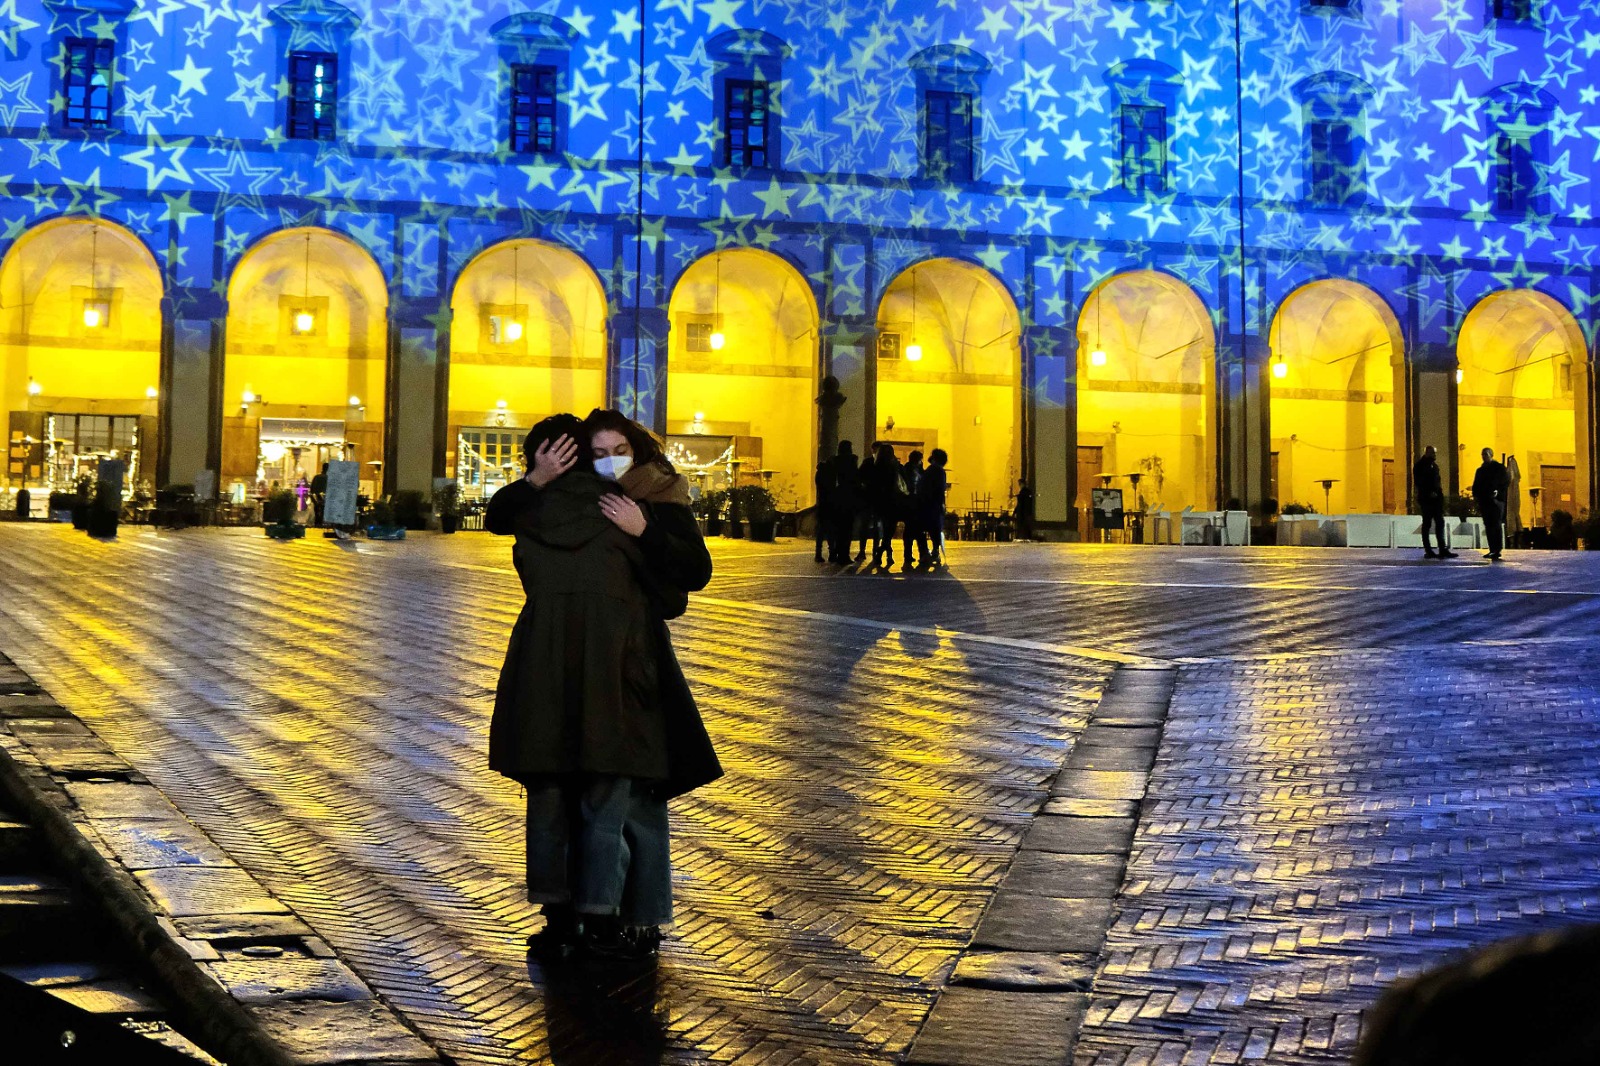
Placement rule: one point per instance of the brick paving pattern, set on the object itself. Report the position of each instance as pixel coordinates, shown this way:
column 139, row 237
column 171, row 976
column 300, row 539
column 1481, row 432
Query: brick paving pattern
column 1369, row 763
column 322, row 710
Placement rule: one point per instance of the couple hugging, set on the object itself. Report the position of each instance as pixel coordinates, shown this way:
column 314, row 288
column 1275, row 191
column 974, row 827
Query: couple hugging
column 593, row 716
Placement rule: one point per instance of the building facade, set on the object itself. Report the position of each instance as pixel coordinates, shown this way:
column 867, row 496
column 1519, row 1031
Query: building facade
column 1254, row 253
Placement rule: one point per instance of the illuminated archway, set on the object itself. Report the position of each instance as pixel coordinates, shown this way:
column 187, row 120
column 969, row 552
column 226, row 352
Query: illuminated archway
column 527, row 339
column 1338, row 365
column 81, row 303
column 1146, row 389
column 1521, row 361
column 948, row 363
column 305, row 360
column 741, row 372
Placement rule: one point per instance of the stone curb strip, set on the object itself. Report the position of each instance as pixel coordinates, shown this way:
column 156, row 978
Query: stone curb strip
column 259, row 987
column 1019, row 992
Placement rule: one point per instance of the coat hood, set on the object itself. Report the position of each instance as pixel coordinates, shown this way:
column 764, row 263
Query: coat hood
column 569, row 512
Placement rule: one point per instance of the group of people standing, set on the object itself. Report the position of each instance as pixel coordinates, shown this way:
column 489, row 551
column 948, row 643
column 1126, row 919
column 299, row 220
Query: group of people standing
column 871, row 498
column 592, row 716
column 1492, row 488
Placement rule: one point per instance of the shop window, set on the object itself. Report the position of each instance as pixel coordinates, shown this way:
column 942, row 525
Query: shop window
column 86, row 83
column 535, row 108
column 1144, row 148
column 313, row 96
column 1521, row 115
column 747, row 124
column 1333, row 115
column 947, row 135
column 486, row 458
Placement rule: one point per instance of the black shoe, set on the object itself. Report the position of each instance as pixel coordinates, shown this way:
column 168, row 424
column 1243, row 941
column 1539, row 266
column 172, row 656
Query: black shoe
column 1493, row 557
column 1448, row 555
column 561, row 935
column 1429, row 553
column 609, row 941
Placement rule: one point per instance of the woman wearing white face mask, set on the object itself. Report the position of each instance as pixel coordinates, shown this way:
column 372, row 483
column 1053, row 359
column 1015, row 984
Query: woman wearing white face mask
column 652, row 506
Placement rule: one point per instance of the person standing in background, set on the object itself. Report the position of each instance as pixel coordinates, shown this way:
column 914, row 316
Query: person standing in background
column 1430, row 501
column 1489, row 492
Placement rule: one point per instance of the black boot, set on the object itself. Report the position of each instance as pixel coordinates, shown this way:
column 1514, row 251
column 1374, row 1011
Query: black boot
column 562, row 932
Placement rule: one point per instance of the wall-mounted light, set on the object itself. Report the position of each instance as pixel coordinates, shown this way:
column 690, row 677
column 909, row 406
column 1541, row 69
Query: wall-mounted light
column 717, row 339
column 304, row 322
column 91, row 314
column 500, row 405
column 247, row 397
column 1460, row 374
column 34, row 388
column 150, row 393
column 513, row 331
column 1097, row 357
column 913, row 352
column 355, row 401
column 1280, row 369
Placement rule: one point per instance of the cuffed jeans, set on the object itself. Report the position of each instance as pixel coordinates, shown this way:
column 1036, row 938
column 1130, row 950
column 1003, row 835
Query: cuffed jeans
column 602, row 845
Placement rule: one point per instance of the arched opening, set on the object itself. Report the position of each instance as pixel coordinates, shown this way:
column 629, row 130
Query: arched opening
column 306, row 347
column 1146, row 390
column 527, row 340
column 741, row 374
column 1521, row 361
column 81, row 302
column 1338, row 363
column 948, row 363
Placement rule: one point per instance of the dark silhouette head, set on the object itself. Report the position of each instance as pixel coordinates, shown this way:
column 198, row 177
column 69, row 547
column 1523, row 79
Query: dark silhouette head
column 915, row 458
column 554, row 428
column 846, row 448
column 938, row 458
column 1430, row 452
column 1528, row 1000
column 885, row 453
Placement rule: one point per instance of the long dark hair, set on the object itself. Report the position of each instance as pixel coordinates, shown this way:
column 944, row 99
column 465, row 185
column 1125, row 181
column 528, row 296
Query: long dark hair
column 646, row 448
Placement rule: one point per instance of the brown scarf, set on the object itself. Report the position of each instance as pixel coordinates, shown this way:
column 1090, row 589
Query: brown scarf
column 655, row 482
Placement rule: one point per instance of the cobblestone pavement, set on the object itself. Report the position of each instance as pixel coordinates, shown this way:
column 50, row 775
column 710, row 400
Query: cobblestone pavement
column 1369, row 762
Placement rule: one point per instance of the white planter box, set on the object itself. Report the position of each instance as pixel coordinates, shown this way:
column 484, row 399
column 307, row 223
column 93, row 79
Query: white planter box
column 1369, row 530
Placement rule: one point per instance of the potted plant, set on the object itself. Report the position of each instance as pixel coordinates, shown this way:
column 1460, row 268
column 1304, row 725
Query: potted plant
column 758, row 506
column 62, row 505
column 81, row 501
column 277, row 516
column 104, row 511
column 1588, row 527
column 447, row 502
column 382, row 524
column 714, row 506
column 1563, row 531
column 411, row 509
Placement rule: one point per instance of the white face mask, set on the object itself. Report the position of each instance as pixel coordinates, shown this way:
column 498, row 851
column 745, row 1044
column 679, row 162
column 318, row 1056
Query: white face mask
column 612, row 467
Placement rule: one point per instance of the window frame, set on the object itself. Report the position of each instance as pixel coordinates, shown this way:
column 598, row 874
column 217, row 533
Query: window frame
column 65, row 115
column 295, row 103
column 534, row 105
column 1330, row 180
column 767, row 125
column 1495, row 13
column 1136, row 168
column 959, row 168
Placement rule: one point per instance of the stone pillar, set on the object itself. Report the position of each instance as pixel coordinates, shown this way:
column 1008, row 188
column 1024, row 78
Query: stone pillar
column 411, row 415
column 1587, row 471
column 189, row 407
column 1433, row 417
column 637, row 357
column 1244, row 431
column 1050, row 398
column 848, row 355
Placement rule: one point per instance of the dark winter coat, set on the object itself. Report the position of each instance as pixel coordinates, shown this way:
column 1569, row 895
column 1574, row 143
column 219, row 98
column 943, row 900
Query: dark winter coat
column 648, row 726
column 1490, row 483
column 1430, row 485
column 930, row 497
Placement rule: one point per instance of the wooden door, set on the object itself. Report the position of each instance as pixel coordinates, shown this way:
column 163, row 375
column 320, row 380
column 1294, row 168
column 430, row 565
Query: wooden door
column 1559, row 492
column 1091, row 461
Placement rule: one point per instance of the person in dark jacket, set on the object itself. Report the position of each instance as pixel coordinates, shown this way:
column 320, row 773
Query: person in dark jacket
column 578, row 717
column 885, row 491
column 824, row 481
column 911, row 477
column 1430, row 501
column 1489, row 487
column 930, row 504
column 1022, row 512
column 865, row 523
column 843, row 501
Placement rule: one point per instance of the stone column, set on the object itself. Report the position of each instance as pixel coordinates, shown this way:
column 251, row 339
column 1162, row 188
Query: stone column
column 1050, row 398
column 637, row 357
column 1433, row 417
column 189, row 407
column 411, row 406
column 1244, row 433
column 848, row 355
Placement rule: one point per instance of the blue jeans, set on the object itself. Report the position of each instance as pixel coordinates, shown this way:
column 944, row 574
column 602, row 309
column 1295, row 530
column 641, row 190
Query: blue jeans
column 602, row 845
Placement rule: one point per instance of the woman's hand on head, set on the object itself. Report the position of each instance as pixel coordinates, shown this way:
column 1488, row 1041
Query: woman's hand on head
column 624, row 513
column 552, row 459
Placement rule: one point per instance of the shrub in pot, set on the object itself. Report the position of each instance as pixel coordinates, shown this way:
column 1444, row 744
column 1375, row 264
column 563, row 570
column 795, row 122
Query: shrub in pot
column 713, row 507
column 758, row 507
column 447, row 502
column 382, row 522
column 1563, row 531
column 411, row 509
